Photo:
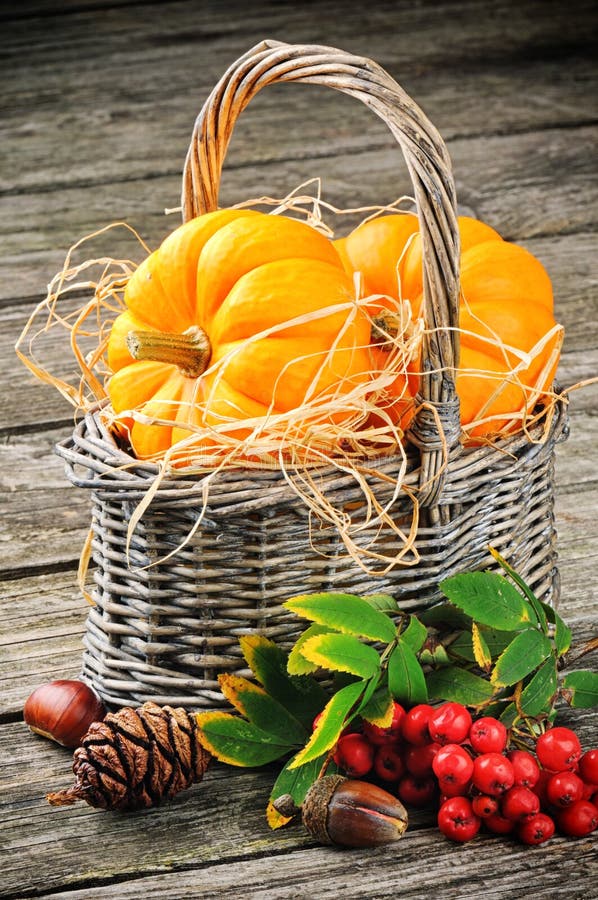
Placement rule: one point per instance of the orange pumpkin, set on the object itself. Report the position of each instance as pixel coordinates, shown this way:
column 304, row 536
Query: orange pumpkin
column 209, row 336
column 505, row 313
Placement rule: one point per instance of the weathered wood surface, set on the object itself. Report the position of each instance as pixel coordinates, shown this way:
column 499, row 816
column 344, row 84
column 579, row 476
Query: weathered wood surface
column 98, row 102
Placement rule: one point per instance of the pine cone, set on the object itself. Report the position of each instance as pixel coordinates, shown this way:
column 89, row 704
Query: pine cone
column 135, row 758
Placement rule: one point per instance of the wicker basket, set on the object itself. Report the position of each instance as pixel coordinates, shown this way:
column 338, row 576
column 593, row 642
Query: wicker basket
column 167, row 618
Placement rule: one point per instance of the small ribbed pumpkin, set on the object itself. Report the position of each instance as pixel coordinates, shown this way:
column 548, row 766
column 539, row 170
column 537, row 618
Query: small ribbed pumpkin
column 234, row 317
column 505, row 313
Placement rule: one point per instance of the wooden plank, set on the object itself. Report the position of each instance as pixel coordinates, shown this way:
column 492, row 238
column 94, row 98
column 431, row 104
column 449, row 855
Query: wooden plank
column 412, row 869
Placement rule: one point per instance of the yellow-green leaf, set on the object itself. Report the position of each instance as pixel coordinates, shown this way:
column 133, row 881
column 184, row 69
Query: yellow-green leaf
column 302, row 695
column 481, row 652
column 297, row 663
column 347, row 613
column 379, row 709
column 237, row 742
column 342, row 653
column 330, row 724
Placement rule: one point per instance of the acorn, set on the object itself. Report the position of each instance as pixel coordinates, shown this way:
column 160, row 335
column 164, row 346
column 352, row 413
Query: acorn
column 62, row 711
column 348, row 813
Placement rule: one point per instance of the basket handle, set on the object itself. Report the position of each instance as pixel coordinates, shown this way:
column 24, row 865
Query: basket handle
column 429, row 167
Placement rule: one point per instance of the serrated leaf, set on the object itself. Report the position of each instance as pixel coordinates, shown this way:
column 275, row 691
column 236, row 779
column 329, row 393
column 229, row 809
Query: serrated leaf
column 481, row 652
column 562, row 633
column 495, row 641
column 262, row 710
column 538, row 694
column 343, row 653
column 459, row 685
column 297, row 664
column 522, row 584
column 379, row 709
column 414, row 634
column 295, row 782
column 383, row 602
column 490, row 599
column 580, row 689
column 330, row 724
column 302, row 695
column 444, row 615
column 347, row 613
column 237, row 742
column 406, row 680
column 526, row 652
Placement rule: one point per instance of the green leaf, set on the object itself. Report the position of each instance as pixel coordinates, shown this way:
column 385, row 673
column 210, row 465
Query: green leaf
column 525, row 653
column 379, row 708
column 344, row 612
column 495, row 641
column 295, row 782
column 253, row 702
column 406, row 680
column 481, row 651
column 297, row 663
column 330, row 724
column 262, row 710
column 236, row 741
column 538, row 695
column 519, row 581
column 459, row 685
column 383, row 602
column 580, row 689
column 302, row 695
column 443, row 615
column 489, row 599
column 342, row 652
column 415, row 634
column 562, row 632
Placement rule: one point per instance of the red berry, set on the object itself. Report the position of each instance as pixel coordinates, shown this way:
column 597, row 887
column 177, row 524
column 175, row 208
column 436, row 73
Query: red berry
column 564, row 788
column 527, row 770
column 453, row 768
column 388, row 763
column 558, row 749
column 418, row 760
column 536, row 830
column 416, row 791
column 499, row 824
column 539, row 787
column 354, row 754
column 449, row 723
column 457, row 820
column 414, row 727
column 492, row 774
column 588, row 766
column 390, row 735
column 579, row 819
column 488, row 735
column 484, row 806
column 519, row 803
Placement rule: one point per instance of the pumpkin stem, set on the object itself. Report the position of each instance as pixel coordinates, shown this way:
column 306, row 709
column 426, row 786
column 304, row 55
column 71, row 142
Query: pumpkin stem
column 384, row 329
column 190, row 351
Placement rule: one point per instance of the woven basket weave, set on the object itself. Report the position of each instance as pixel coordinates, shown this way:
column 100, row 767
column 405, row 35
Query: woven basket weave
column 167, row 618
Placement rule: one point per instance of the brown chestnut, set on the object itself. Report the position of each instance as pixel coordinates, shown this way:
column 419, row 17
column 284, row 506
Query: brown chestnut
column 63, row 711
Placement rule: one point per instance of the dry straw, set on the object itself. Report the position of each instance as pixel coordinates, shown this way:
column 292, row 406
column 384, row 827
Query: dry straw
column 188, row 557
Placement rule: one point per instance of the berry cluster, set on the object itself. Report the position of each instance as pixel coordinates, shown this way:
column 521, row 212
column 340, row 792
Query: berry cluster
column 439, row 755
